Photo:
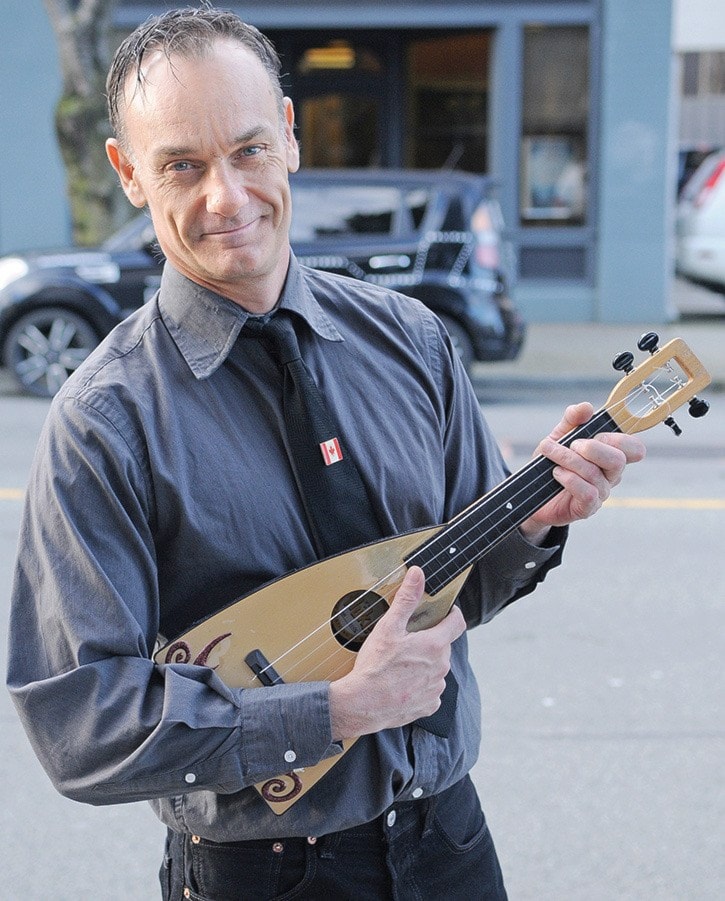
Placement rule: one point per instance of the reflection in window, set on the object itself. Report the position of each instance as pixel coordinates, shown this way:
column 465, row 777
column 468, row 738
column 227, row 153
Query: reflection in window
column 342, row 210
column 339, row 55
column 339, row 130
column 555, row 115
column 448, row 101
column 703, row 73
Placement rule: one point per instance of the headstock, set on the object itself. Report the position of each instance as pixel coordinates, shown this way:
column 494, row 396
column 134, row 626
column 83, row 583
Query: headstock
column 649, row 393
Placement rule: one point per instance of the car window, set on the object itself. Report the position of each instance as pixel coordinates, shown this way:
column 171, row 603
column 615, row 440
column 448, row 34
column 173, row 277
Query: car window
column 321, row 211
column 704, row 171
column 135, row 235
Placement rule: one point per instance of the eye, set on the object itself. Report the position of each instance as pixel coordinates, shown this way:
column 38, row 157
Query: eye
column 181, row 166
column 252, row 150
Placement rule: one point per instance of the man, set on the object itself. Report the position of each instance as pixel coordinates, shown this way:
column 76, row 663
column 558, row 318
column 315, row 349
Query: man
column 162, row 490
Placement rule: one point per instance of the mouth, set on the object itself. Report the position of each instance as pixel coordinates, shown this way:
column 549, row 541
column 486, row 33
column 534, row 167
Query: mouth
column 230, row 231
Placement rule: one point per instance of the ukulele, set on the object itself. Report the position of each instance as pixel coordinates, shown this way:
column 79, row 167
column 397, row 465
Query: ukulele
column 329, row 607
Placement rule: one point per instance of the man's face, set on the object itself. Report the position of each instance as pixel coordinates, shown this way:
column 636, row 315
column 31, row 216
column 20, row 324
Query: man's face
column 208, row 150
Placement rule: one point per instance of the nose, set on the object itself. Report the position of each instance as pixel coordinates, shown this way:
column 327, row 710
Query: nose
column 226, row 193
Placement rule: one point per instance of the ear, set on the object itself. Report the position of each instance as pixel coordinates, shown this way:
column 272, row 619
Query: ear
column 292, row 147
column 126, row 173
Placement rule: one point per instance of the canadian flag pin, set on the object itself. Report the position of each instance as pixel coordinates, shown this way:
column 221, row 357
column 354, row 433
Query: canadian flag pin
column 331, row 451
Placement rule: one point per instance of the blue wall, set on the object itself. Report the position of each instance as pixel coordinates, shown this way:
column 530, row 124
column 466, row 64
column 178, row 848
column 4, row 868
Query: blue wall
column 637, row 153
column 33, row 206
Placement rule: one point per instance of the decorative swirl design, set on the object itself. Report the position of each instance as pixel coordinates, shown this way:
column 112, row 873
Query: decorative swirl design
column 281, row 788
column 203, row 655
column 180, row 652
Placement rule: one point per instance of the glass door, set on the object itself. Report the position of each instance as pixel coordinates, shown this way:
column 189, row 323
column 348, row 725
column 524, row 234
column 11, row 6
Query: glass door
column 339, row 90
column 448, row 87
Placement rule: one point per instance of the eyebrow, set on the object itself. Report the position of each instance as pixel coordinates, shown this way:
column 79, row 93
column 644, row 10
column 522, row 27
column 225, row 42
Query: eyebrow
column 170, row 151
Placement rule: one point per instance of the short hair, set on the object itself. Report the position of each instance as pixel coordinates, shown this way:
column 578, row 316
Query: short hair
column 187, row 32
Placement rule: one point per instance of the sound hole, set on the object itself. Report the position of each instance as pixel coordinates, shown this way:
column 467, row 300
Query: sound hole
column 354, row 616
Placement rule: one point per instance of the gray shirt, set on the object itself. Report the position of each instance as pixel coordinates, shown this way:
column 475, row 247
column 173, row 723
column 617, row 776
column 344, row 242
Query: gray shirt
column 161, row 491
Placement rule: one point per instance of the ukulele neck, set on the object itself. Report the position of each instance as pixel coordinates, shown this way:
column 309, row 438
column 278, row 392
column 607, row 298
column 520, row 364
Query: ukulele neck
column 474, row 532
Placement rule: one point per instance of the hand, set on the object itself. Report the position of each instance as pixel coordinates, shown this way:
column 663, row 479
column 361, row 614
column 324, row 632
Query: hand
column 398, row 675
column 587, row 471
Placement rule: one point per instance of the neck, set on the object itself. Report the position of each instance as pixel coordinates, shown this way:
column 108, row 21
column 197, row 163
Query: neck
column 256, row 294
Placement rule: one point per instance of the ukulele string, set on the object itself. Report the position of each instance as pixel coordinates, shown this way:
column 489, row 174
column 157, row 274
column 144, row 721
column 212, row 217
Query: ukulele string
column 539, row 496
column 517, row 478
column 334, row 638
column 385, row 599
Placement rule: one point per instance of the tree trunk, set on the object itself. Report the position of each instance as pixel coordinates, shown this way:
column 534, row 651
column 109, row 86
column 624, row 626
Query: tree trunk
column 82, row 30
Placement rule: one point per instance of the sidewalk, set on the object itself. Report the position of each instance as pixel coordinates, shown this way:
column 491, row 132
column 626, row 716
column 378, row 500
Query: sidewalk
column 573, row 353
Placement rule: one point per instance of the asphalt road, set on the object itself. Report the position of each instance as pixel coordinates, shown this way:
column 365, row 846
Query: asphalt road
column 602, row 769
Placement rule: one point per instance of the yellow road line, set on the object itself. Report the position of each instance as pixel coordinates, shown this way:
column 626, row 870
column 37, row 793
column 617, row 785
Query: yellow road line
column 642, row 503
column 668, row 503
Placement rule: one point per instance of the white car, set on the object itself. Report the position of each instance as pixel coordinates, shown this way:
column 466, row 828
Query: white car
column 700, row 225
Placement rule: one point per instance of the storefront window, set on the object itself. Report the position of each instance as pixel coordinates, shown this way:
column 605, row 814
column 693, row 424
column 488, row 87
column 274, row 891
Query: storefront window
column 340, row 104
column 554, row 134
column 448, row 101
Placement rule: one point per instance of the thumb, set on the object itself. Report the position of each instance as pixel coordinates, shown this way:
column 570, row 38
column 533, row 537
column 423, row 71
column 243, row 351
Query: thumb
column 407, row 597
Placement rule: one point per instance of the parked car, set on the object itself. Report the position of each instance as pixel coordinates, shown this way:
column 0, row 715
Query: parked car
column 434, row 236
column 700, row 225
column 689, row 158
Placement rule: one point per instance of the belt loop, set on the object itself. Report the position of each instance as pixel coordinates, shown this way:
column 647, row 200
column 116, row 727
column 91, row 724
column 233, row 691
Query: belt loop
column 429, row 814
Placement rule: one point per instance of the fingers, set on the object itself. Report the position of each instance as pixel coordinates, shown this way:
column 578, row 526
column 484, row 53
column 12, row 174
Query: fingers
column 574, row 415
column 631, row 446
column 589, row 467
column 398, row 676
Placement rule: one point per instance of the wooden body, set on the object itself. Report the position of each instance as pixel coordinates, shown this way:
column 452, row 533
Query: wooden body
column 289, row 621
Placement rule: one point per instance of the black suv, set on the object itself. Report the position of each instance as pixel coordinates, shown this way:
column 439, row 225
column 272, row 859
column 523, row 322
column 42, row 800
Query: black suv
column 434, row 236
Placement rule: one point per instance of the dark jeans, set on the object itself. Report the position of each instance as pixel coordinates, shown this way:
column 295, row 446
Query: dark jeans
column 435, row 849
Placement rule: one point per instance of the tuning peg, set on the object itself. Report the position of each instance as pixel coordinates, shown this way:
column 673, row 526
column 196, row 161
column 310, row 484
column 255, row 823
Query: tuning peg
column 649, row 341
column 673, row 425
column 623, row 362
column 698, row 407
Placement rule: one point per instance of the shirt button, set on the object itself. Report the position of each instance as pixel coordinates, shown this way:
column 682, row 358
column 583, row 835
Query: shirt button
column 311, row 839
column 417, row 792
column 290, row 756
column 278, row 847
column 529, row 565
column 392, row 816
column 190, row 778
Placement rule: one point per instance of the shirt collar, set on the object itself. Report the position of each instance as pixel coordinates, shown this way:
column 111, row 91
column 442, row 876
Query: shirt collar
column 204, row 325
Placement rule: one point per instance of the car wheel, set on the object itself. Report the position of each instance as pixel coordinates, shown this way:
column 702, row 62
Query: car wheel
column 459, row 338
column 45, row 345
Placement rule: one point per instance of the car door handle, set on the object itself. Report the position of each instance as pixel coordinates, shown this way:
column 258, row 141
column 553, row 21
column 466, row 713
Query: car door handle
column 389, row 261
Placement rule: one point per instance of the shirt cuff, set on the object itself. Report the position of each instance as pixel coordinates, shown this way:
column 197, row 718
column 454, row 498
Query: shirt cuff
column 523, row 558
column 285, row 727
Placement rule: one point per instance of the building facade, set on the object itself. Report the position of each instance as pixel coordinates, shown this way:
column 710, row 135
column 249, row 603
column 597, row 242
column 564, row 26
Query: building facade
column 568, row 104
column 699, row 43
